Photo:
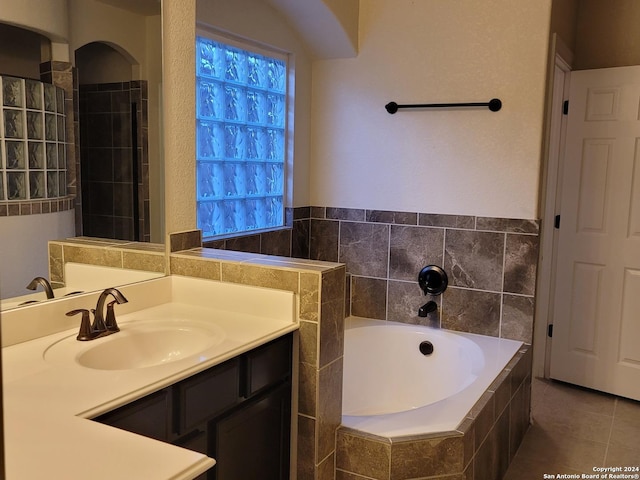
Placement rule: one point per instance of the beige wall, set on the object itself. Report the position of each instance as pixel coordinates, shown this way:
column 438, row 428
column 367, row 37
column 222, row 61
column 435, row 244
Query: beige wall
column 178, row 90
column 99, row 63
column 153, row 70
column 23, row 248
column 92, row 21
column 20, row 52
column 471, row 162
column 607, row 34
column 564, row 15
column 48, row 18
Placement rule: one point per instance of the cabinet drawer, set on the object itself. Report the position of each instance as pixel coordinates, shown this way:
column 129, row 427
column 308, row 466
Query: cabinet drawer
column 148, row 416
column 207, row 394
column 267, row 365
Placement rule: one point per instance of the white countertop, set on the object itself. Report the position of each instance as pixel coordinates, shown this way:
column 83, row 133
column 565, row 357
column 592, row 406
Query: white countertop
column 47, row 405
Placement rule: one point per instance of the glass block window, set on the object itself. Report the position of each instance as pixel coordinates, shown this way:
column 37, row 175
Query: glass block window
column 241, row 111
column 32, row 140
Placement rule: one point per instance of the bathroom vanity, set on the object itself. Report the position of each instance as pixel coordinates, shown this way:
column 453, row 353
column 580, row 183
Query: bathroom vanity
column 238, row 412
column 213, row 384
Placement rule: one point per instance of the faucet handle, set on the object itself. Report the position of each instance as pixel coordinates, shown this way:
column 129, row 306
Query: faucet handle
column 86, row 332
column 110, row 322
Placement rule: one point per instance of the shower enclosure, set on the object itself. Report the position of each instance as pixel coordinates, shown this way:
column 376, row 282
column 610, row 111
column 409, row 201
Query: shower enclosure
column 113, row 159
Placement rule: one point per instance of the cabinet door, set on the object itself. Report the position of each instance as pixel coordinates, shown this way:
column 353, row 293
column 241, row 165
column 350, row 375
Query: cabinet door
column 267, row 365
column 148, row 416
column 207, row 394
column 252, row 443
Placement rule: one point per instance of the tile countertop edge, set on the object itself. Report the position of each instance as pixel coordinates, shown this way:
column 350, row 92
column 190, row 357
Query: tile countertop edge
column 42, row 401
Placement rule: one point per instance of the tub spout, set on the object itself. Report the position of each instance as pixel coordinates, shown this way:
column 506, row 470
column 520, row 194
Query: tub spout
column 427, row 308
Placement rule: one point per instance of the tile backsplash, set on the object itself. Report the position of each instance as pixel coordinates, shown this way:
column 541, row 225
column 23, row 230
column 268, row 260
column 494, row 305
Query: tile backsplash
column 491, row 264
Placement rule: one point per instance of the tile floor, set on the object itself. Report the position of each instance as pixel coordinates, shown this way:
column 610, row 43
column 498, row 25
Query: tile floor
column 575, row 429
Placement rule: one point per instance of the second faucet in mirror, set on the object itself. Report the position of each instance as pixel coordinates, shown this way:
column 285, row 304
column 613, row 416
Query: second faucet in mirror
column 45, row 284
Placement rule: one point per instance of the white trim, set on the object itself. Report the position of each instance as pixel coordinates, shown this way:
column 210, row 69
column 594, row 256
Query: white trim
column 558, row 92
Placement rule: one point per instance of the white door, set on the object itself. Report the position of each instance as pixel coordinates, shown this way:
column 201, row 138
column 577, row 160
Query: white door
column 596, row 325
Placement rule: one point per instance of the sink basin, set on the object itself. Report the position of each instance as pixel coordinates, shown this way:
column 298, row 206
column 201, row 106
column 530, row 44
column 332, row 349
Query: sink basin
column 137, row 345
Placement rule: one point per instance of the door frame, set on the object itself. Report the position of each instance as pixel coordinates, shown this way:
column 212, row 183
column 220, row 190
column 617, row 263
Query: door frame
column 559, row 75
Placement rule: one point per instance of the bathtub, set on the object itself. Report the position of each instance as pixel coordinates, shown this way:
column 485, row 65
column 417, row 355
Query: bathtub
column 392, row 389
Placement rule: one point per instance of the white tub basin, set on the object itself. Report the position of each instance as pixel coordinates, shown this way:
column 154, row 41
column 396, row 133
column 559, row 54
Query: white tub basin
column 138, row 345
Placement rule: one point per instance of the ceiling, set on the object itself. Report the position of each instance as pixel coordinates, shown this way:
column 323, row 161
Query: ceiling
column 329, row 27
column 315, row 20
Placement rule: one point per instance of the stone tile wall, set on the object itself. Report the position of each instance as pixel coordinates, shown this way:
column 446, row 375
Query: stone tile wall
column 481, row 448
column 64, row 75
column 491, row 264
column 116, row 197
column 148, row 257
column 321, row 291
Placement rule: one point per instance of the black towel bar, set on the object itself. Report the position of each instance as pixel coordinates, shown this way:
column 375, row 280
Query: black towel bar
column 494, row 105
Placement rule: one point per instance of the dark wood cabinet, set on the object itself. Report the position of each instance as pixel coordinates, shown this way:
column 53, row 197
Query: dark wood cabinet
column 252, row 442
column 238, row 412
column 207, row 394
column 149, row 416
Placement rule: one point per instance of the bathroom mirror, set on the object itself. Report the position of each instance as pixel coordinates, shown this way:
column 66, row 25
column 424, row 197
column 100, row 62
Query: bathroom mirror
column 86, row 21
column 433, row 280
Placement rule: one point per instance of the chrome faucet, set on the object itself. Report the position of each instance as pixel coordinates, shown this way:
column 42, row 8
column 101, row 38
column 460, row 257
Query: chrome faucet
column 101, row 327
column 45, row 284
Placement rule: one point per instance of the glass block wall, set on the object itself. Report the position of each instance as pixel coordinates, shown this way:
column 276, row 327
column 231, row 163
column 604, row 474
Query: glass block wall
column 32, row 140
column 241, row 110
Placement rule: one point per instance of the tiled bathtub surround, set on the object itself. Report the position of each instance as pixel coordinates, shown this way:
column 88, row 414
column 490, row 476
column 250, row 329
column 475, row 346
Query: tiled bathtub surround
column 481, row 448
column 491, row 264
